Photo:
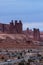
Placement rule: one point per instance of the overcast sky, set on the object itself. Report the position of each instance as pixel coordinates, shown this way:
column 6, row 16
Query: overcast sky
column 29, row 11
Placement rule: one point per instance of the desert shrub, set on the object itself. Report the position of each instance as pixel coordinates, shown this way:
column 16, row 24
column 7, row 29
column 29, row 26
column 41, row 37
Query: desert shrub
column 21, row 54
column 21, row 63
column 2, row 57
column 18, row 57
column 29, row 60
column 38, row 55
column 27, row 63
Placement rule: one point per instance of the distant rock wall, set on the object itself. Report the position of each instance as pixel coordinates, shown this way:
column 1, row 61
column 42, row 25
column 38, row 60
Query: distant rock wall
column 11, row 28
column 36, row 34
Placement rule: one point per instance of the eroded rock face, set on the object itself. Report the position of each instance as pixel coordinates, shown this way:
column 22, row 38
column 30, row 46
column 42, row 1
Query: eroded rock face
column 11, row 28
column 14, row 40
column 36, row 34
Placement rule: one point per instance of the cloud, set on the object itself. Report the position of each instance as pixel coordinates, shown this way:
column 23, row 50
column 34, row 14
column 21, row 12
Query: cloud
column 33, row 25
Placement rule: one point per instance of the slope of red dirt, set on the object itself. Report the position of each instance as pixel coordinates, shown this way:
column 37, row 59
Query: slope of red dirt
column 16, row 41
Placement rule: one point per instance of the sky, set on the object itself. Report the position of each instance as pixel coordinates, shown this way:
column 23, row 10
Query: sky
column 30, row 12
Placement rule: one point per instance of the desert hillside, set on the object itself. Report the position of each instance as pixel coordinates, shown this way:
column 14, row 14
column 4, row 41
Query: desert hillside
column 16, row 41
